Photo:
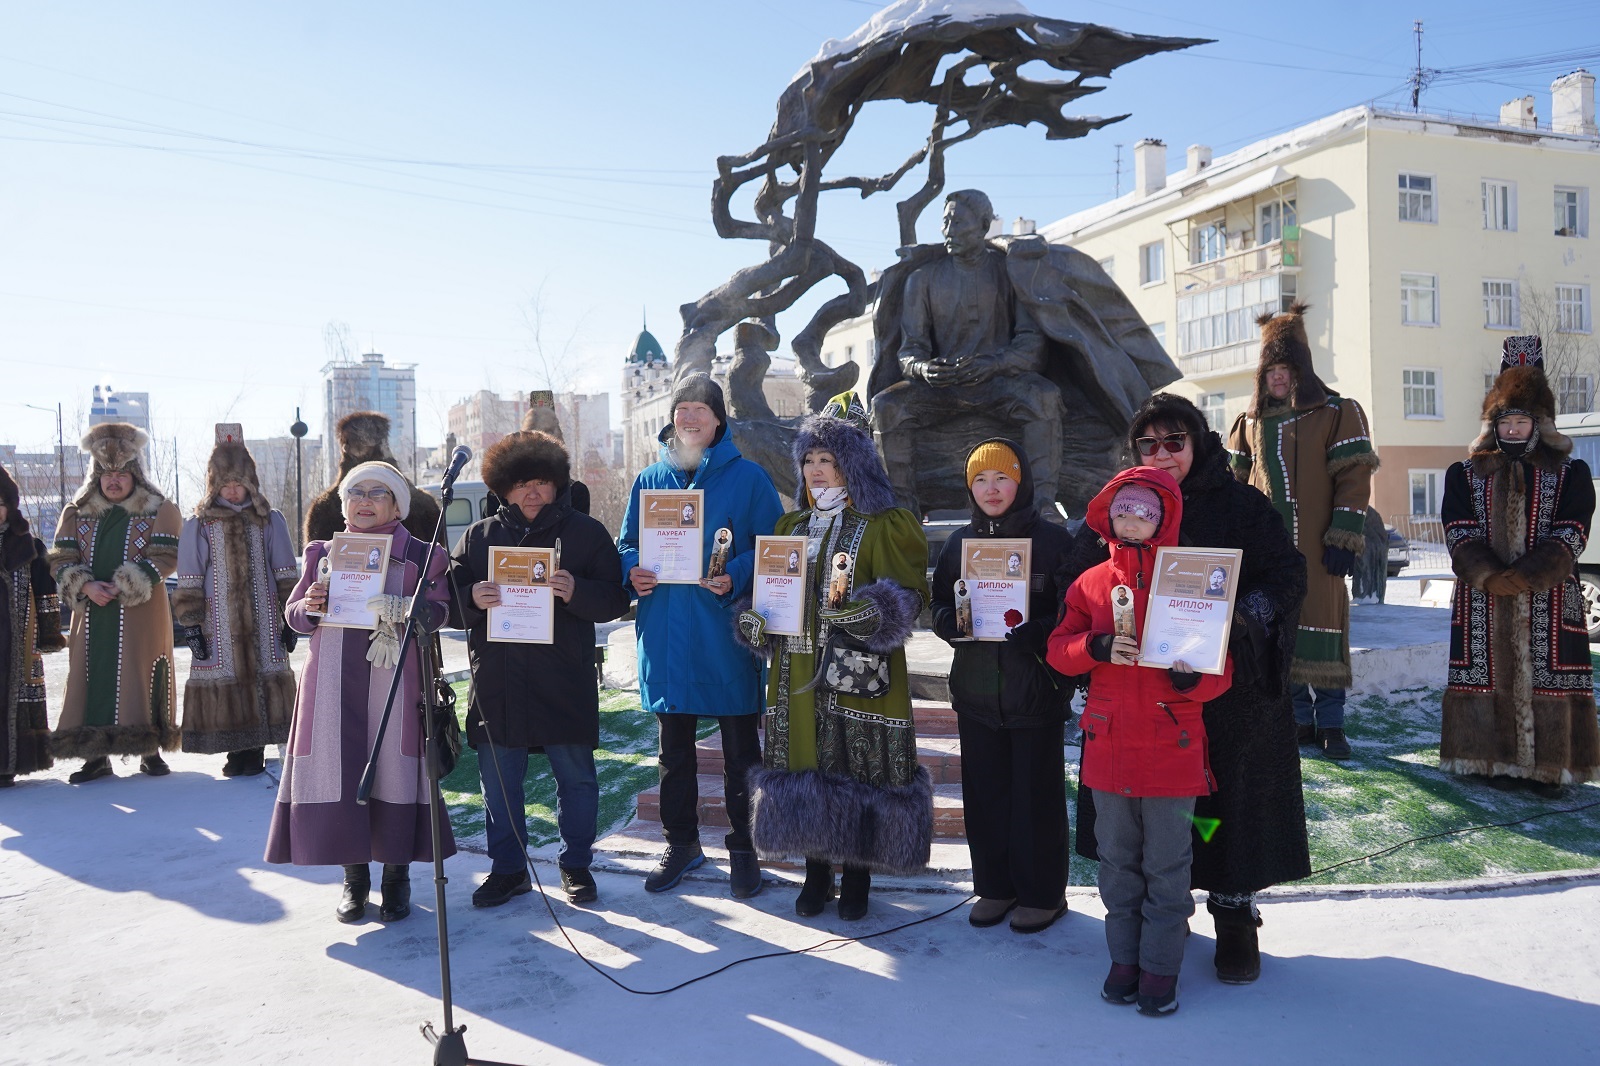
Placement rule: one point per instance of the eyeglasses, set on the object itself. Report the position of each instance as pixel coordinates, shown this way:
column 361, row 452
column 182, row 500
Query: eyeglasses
column 377, row 495
column 1172, row 442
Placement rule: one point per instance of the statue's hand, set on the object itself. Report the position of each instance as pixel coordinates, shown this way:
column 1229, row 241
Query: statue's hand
column 939, row 373
column 978, row 369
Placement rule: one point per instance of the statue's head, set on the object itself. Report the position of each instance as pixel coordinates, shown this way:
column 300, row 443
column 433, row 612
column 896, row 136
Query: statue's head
column 967, row 217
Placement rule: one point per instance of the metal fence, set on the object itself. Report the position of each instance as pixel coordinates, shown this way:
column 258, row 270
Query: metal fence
column 1425, row 535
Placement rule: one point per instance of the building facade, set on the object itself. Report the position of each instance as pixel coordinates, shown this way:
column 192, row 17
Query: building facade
column 115, row 405
column 369, row 384
column 1419, row 241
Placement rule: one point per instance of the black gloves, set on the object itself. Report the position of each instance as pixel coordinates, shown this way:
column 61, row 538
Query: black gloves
column 1100, row 647
column 1182, row 680
column 195, row 637
column 289, row 638
column 1030, row 636
column 1338, row 561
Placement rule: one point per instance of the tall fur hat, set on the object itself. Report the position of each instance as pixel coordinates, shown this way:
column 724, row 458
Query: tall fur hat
column 526, row 456
column 114, row 446
column 541, row 414
column 839, row 430
column 1283, row 342
column 231, row 461
column 1522, row 389
column 364, row 438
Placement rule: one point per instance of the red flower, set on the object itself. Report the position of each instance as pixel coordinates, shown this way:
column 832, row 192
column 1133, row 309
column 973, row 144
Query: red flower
column 1013, row 618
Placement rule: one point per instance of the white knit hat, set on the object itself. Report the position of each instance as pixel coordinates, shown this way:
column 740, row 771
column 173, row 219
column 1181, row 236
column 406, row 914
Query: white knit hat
column 383, row 474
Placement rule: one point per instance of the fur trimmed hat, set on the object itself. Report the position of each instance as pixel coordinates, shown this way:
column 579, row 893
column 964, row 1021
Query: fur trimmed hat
column 112, row 447
column 384, row 474
column 364, row 438
column 232, row 461
column 526, row 456
column 1284, row 343
column 541, row 415
column 1522, row 390
column 853, row 450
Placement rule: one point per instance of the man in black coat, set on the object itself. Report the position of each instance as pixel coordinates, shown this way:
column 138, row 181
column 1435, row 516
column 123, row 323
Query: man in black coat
column 536, row 697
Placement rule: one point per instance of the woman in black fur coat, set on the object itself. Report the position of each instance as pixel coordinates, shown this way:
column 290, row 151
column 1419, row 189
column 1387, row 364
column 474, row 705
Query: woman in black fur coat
column 1260, row 837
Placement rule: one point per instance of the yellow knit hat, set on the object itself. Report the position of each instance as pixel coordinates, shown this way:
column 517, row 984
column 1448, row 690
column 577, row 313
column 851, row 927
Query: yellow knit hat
column 992, row 455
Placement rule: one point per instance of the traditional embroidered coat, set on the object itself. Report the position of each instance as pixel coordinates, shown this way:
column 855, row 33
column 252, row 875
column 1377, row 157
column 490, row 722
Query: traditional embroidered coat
column 120, row 692
column 1314, row 461
column 236, row 568
column 30, row 623
column 1520, row 699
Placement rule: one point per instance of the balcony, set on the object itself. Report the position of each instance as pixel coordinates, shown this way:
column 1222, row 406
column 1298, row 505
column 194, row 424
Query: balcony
column 1280, row 256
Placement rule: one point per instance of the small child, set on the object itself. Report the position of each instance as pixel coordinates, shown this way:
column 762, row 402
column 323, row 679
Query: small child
column 1144, row 744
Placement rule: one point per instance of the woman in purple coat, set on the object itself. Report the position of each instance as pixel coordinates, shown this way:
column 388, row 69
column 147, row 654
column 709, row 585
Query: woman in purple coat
column 316, row 820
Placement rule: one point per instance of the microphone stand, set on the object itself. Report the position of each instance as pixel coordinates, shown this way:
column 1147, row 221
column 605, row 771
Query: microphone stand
column 450, row 1046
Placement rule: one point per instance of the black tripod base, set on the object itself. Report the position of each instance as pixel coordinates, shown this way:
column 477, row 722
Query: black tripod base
column 450, row 1048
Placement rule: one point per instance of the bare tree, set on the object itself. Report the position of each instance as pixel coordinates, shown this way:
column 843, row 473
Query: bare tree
column 1571, row 360
column 553, row 367
column 340, row 342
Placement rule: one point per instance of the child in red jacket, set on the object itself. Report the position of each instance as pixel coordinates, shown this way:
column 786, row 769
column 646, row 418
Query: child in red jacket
column 1144, row 744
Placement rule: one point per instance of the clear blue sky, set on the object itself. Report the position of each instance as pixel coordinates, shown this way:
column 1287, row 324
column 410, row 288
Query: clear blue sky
column 190, row 191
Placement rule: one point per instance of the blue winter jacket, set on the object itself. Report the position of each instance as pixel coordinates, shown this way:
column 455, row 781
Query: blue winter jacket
column 689, row 660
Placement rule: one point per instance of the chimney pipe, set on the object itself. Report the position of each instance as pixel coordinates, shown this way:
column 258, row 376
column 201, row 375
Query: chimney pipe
column 1149, row 166
column 1021, row 227
column 1519, row 113
column 1572, row 103
column 1199, row 157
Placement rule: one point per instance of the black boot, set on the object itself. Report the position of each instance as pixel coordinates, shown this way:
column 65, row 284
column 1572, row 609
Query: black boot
column 396, row 893
column 853, row 889
column 1238, row 951
column 357, row 884
column 154, row 765
column 817, row 891
column 99, row 766
column 245, row 763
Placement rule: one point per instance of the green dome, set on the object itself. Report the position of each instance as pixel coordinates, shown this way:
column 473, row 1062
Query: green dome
column 647, row 350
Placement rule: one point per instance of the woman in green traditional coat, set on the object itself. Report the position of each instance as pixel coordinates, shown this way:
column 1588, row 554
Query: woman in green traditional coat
column 840, row 782
column 116, row 543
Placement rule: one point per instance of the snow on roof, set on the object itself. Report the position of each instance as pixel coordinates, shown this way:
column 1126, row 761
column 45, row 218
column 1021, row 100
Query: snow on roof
column 903, row 14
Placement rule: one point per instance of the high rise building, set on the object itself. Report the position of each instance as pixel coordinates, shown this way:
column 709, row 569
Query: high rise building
column 113, row 405
column 368, row 384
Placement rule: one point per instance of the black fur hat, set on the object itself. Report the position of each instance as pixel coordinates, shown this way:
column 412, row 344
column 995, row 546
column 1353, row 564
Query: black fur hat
column 1283, row 342
column 11, row 496
column 526, row 456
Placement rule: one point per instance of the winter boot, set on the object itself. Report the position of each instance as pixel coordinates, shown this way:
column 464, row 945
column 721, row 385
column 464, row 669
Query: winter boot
column 1334, row 744
column 817, row 891
column 154, row 765
column 1238, row 958
column 744, row 874
column 396, row 893
column 499, row 888
column 246, row 763
column 676, row 861
column 987, row 912
column 1036, row 919
column 853, row 889
column 100, row 766
column 1122, row 984
column 357, row 884
column 1158, row 994
column 578, row 884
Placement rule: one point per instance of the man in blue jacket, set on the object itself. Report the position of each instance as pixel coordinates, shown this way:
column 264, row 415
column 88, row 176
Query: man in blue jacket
column 690, row 665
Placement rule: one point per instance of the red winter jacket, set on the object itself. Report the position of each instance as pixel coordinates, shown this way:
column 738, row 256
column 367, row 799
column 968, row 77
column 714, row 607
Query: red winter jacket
column 1141, row 736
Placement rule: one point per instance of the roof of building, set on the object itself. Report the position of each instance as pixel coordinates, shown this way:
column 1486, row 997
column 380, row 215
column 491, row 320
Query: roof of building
column 646, row 349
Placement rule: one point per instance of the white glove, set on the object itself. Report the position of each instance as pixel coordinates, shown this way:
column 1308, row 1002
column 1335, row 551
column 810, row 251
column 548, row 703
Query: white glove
column 383, row 651
column 391, row 609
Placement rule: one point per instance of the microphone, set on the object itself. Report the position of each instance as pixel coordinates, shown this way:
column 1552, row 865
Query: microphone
column 458, row 459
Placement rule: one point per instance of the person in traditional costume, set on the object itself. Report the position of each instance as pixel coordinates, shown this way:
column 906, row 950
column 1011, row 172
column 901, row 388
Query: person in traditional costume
column 316, row 820
column 236, row 568
column 1310, row 451
column 839, row 780
column 364, row 438
column 115, row 545
column 1519, row 704
column 30, row 623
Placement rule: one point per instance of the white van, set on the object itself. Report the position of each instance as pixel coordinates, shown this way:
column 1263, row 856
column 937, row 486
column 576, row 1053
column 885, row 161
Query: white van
column 470, row 501
column 1585, row 433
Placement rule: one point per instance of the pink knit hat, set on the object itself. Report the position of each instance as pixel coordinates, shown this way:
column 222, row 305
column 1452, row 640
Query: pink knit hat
column 1140, row 501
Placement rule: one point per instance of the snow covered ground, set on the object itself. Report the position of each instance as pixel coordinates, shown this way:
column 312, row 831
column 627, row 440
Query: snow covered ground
column 139, row 924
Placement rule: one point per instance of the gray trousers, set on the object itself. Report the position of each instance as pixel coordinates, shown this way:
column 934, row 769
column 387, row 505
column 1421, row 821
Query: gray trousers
column 1144, row 877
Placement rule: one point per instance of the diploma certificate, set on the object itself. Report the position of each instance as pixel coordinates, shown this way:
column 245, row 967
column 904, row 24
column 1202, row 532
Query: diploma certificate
column 779, row 591
column 995, row 573
column 357, row 566
column 526, row 614
column 672, row 534
column 1191, row 608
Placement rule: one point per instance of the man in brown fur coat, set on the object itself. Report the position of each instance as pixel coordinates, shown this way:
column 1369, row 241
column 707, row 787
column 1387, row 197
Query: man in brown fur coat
column 364, row 438
column 1310, row 451
column 1519, row 706
column 236, row 568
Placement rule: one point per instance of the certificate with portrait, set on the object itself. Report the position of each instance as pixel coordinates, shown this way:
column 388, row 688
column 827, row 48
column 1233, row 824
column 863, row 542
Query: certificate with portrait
column 672, row 534
column 779, row 591
column 357, row 566
column 994, row 576
column 526, row 614
column 1190, row 613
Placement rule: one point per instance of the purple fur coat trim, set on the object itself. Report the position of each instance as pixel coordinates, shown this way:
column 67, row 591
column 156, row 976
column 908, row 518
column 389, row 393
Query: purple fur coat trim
column 856, row 455
column 806, row 813
column 898, row 608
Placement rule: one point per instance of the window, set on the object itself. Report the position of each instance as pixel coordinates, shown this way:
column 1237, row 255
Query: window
column 1160, row 330
column 1572, row 309
column 1499, row 204
column 1416, row 198
column 1210, row 242
column 1421, row 389
column 1426, row 488
column 1499, row 303
column 1577, row 394
column 1152, row 262
column 1109, row 265
column 1572, row 211
column 1214, row 406
column 1273, row 217
column 1227, row 314
column 1419, row 299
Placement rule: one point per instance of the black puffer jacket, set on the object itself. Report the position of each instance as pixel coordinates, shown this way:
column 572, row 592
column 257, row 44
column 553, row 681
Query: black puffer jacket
column 1006, row 684
column 538, row 694
column 1261, row 834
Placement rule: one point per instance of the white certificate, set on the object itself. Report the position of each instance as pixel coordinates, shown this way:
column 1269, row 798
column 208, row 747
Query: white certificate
column 526, row 614
column 1190, row 613
column 357, row 566
column 672, row 534
column 994, row 573
column 779, row 591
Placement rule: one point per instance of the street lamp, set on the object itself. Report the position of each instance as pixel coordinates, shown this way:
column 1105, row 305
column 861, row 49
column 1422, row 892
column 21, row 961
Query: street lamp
column 61, row 455
column 299, row 430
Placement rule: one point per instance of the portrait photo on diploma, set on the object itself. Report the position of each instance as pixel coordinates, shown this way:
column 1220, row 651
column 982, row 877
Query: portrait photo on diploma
column 671, row 536
column 1190, row 613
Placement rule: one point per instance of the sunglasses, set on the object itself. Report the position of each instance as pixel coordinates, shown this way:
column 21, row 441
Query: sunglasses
column 377, row 495
column 1172, row 442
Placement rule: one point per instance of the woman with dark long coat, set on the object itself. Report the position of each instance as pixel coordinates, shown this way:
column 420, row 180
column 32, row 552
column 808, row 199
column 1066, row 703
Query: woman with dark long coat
column 30, row 623
column 1258, row 810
